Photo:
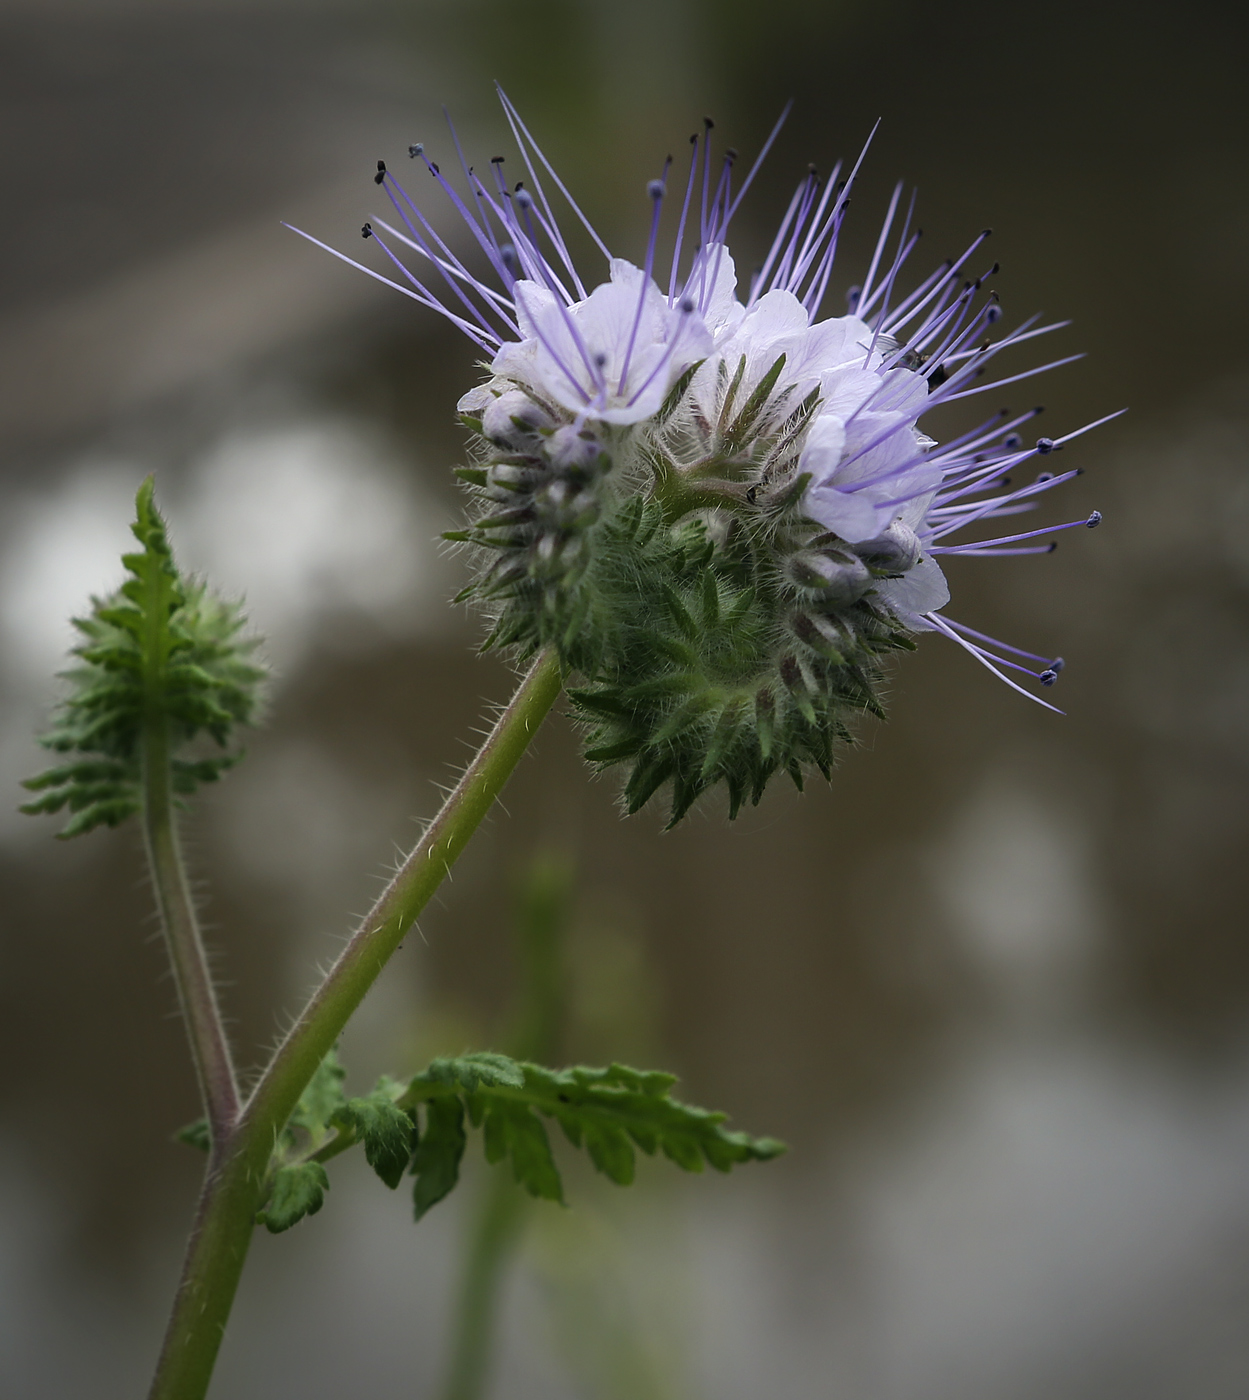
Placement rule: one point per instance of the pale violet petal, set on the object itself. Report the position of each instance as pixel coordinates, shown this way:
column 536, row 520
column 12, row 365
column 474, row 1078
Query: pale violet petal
column 852, row 516
column 920, row 590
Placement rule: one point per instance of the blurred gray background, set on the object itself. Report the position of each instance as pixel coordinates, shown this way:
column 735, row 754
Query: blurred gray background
column 992, row 985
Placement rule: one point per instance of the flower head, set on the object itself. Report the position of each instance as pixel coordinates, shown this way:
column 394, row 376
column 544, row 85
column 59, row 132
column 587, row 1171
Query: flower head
column 718, row 502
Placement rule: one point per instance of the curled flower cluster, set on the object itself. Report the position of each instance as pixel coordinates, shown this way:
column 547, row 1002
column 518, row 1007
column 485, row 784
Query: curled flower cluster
column 719, row 507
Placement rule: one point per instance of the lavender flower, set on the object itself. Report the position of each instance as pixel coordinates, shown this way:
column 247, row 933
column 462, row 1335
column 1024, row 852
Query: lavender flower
column 720, row 507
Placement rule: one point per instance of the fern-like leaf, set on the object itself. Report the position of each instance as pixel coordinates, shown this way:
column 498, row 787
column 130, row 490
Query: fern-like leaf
column 161, row 649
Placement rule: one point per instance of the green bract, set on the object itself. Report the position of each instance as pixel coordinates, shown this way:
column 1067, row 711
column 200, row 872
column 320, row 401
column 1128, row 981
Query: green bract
column 162, row 650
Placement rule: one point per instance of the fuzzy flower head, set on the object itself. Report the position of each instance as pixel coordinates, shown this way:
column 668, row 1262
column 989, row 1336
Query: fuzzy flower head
column 716, row 501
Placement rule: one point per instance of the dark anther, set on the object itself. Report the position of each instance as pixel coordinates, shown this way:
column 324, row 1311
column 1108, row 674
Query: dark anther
column 812, row 169
column 1057, row 664
column 1094, row 520
column 938, row 376
column 380, row 177
column 1053, row 546
column 995, row 269
column 730, row 153
column 367, row 231
column 433, row 167
column 1048, row 677
column 708, row 123
column 694, row 139
column 1044, row 445
column 1005, row 482
column 993, row 314
column 381, row 165
column 687, row 305
column 987, row 232
column 416, row 150
column 496, row 160
column 1044, row 476
column 655, row 189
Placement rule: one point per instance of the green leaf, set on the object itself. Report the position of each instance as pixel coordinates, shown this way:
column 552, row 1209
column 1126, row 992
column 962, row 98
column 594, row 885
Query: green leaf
column 607, row 1112
column 387, row 1132
column 471, row 1072
column 195, row 1135
column 511, row 1130
column 162, row 648
column 298, row 1190
column 436, row 1161
column 322, row 1099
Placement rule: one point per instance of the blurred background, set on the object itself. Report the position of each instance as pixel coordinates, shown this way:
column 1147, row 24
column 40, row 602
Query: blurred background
column 992, row 984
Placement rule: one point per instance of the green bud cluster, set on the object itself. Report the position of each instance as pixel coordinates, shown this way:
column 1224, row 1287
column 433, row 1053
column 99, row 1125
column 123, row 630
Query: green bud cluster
column 162, row 650
column 722, row 636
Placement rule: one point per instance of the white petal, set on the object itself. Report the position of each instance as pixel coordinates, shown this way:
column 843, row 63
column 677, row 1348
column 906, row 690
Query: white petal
column 719, row 299
column 922, row 589
column 852, row 516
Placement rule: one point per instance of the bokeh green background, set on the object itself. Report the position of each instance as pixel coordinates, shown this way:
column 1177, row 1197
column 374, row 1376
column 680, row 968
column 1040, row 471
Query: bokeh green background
column 992, row 984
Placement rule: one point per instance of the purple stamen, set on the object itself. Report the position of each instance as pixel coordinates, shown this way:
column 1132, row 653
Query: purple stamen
column 427, row 299
column 687, row 309
column 1005, row 539
column 423, row 247
column 1055, row 662
column 865, row 297
column 656, row 191
column 942, row 625
column 513, row 117
column 685, row 209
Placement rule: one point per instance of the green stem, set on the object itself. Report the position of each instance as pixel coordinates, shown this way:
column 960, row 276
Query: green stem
column 496, row 1224
column 681, row 492
column 234, row 1187
column 541, row 925
column 214, row 1066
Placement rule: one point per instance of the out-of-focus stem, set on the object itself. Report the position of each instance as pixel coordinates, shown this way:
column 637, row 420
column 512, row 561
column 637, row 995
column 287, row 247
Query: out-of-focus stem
column 498, row 1217
column 499, row 1213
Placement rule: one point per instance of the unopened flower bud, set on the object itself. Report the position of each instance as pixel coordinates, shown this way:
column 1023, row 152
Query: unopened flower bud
column 840, row 580
column 570, row 450
column 894, row 552
column 512, row 417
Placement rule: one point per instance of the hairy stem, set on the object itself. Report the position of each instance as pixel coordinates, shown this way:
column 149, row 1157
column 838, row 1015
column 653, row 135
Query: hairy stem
column 234, row 1187
column 214, row 1066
